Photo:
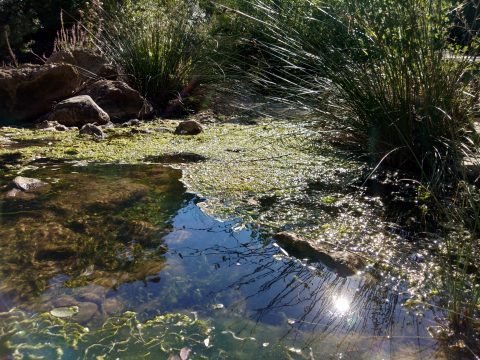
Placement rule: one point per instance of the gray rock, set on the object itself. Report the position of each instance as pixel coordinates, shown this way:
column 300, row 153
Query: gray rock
column 61, row 128
column 78, row 111
column 343, row 262
column 93, row 130
column 119, row 100
column 112, row 306
column 133, row 122
column 189, row 127
column 28, row 184
column 109, row 125
column 45, row 124
column 30, row 91
column 86, row 311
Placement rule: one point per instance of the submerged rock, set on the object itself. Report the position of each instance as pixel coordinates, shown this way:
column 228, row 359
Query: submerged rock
column 86, row 311
column 343, row 262
column 64, row 301
column 189, row 127
column 27, row 184
column 31, row 90
column 78, row 111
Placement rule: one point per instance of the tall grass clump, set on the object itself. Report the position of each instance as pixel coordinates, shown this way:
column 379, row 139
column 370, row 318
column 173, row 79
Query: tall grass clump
column 384, row 71
column 159, row 45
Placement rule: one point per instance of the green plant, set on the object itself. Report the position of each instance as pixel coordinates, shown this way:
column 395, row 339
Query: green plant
column 160, row 45
column 382, row 70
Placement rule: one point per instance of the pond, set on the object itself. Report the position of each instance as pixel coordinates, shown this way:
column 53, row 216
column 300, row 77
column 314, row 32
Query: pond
column 119, row 261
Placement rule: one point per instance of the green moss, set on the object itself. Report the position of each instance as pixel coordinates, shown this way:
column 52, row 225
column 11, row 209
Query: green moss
column 243, row 161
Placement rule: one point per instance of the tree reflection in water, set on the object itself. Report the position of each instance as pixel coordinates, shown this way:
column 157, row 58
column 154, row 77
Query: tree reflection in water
column 316, row 307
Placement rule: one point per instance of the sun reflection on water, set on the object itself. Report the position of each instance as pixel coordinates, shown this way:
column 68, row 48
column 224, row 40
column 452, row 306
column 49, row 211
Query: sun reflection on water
column 341, row 304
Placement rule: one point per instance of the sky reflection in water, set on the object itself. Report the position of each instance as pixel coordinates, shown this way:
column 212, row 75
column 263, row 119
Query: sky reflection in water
column 237, row 280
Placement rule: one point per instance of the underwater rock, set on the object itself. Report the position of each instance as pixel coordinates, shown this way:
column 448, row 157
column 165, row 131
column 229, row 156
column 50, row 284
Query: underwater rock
column 27, row 184
column 64, row 312
column 112, row 306
column 91, row 297
column 64, row 301
column 93, row 130
column 343, row 262
column 78, row 111
column 19, row 194
column 189, row 127
column 86, row 311
column 109, row 125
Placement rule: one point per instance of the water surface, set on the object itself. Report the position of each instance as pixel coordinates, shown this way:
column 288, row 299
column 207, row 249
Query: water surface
column 151, row 274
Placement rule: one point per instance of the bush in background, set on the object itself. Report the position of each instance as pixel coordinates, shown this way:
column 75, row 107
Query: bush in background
column 161, row 46
column 385, row 71
column 31, row 25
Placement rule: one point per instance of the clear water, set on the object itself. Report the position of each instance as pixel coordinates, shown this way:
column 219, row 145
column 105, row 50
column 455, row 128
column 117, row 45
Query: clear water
column 151, row 274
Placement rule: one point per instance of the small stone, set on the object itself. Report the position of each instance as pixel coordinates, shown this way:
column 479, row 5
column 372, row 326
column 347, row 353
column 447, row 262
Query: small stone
column 133, row 122
column 61, row 128
column 189, row 127
column 109, row 125
column 64, row 312
column 93, row 130
column 86, row 311
column 45, row 124
column 28, row 184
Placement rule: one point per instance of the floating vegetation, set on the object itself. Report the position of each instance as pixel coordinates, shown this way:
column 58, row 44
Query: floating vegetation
column 54, row 337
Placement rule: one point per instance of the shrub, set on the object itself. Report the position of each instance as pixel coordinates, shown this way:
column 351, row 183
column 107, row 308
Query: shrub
column 382, row 70
column 160, row 45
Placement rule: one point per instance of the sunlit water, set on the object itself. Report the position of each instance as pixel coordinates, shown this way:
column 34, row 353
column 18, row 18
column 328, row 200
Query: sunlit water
column 151, row 274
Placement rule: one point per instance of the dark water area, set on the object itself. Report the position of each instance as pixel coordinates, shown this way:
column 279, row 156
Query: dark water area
column 119, row 261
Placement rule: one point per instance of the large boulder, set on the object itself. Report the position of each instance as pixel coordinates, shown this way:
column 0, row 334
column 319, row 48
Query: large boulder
column 31, row 90
column 119, row 100
column 78, row 111
column 90, row 64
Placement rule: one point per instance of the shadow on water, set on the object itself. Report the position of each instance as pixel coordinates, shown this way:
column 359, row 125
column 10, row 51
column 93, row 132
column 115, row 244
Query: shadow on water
column 131, row 251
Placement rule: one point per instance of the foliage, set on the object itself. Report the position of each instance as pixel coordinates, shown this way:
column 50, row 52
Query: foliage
column 382, row 70
column 32, row 24
column 160, row 45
